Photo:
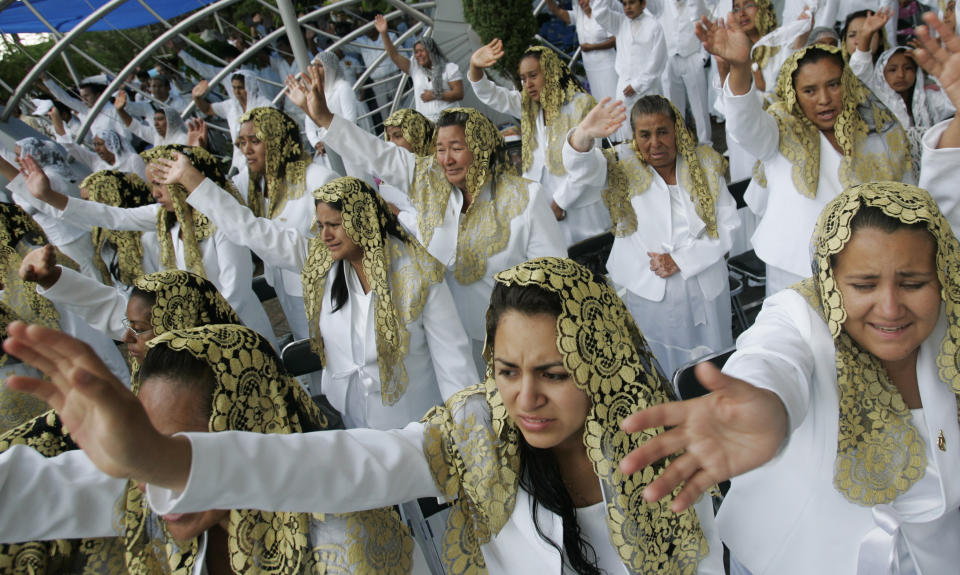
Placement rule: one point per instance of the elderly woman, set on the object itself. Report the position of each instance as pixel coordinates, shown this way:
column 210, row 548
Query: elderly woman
column 526, row 457
column 207, row 379
column 669, row 201
column 474, row 214
column 187, row 240
column 437, row 82
column 825, row 132
column 551, row 104
column 844, row 395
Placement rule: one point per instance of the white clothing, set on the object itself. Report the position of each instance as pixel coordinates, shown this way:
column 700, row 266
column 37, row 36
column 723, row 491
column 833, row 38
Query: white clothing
column 148, row 133
column 145, row 108
column 343, row 102
column 384, row 92
column 600, row 65
column 103, row 346
column 787, row 223
column 534, row 232
column 360, row 469
column 421, row 83
column 227, row 265
column 107, row 119
column 787, row 517
column 297, row 214
column 231, row 111
column 687, row 314
column 586, row 214
column 438, row 360
column 103, row 307
column 129, row 162
column 938, row 174
column 641, row 52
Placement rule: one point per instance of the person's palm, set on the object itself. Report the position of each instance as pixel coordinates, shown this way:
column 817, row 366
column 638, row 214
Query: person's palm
column 487, row 55
column 604, row 119
column 725, row 41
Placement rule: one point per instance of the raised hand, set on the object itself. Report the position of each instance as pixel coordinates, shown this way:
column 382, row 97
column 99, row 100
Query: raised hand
column 196, row 132
column 871, row 24
column 380, row 23
column 487, row 55
column 40, row 266
column 940, row 57
column 103, row 416
column 120, row 102
column 39, row 185
column 724, row 40
column 200, row 89
column 316, row 99
column 735, row 428
column 603, row 120
column 178, row 171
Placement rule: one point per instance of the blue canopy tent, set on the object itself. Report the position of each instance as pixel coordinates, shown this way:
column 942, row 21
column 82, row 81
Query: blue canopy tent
column 65, row 14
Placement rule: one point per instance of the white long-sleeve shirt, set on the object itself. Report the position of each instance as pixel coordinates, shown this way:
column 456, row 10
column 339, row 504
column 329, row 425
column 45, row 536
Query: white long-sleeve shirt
column 641, row 49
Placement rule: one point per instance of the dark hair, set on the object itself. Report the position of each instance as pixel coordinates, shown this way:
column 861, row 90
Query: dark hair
column 497, row 158
column 241, row 77
column 871, row 217
column 149, row 297
column 813, row 55
column 539, row 472
column 339, row 294
column 93, row 87
column 162, row 78
column 850, row 18
column 648, row 105
column 566, row 79
column 182, row 371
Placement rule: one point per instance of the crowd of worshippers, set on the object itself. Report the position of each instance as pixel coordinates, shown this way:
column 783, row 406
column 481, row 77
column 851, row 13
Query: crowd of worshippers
column 486, row 404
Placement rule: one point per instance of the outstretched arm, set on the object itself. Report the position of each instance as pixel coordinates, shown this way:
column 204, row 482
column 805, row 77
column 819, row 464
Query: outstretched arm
column 941, row 59
column 733, row 46
column 380, row 23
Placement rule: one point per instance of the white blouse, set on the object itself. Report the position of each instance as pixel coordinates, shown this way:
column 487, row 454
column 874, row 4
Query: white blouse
column 421, row 83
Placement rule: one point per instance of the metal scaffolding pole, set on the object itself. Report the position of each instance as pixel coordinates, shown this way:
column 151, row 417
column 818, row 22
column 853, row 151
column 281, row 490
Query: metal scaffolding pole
column 288, row 14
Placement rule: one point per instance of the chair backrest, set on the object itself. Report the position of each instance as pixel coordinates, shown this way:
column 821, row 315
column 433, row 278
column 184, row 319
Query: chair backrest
column 686, row 383
column 298, row 359
column 737, row 190
column 263, row 289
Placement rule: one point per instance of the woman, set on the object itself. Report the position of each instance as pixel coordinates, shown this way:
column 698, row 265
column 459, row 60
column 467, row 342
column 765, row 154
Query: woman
column 552, row 103
column 850, row 380
column 206, row 379
column 110, row 152
column 245, row 95
column 851, row 31
column 72, row 240
column 474, row 214
column 120, row 256
column 378, row 310
column 437, row 82
column 188, row 240
column 668, row 200
column 277, row 183
column 597, row 48
column 525, row 457
column 413, row 132
column 826, row 132
column 167, row 126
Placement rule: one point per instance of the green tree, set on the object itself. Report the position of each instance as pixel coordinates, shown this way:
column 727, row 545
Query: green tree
column 511, row 21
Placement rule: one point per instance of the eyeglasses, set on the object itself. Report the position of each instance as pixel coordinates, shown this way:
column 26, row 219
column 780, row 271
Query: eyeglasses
column 745, row 7
column 136, row 332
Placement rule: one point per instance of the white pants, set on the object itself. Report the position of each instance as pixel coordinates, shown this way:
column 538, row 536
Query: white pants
column 603, row 81
column 683, row 79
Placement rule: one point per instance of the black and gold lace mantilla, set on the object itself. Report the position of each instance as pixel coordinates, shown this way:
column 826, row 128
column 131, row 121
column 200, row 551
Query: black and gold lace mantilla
column 286, row 164
column 120, row 190
column 472, row 445
column 399, row 270
column 416, row 128
column 880, row 452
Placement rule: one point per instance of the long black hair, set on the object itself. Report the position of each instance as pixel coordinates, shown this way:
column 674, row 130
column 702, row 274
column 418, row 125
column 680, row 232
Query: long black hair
column 539, row 471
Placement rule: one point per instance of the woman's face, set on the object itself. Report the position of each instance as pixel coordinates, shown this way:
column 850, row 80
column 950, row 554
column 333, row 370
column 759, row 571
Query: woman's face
column 421, row 55
column 100, row 147
column 333, row 234
column 139, row 312
column 160, row 123
column 819, row 92
column 174, row 408
column 538, row 392
column 891, row 291
column 254, row 149
column 745, row 14
column 656, row 138
column 901, row 73
column 159, row 190
column 853, row 31
column 453, row 154
column 531, row 78
column 239, row 91
column 395, row 136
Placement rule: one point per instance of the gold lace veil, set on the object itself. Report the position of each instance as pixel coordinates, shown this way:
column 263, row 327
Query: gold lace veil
column 398, row 268
column 765, row 22
column 286, row 165
column 485, row 227
column 559, row 88
column 472, row 445
column 880, row 453
column 864, row 159
column 416, row 128
column 700, row 171
column 194, row 226
column 121, row 190
column 252, row 393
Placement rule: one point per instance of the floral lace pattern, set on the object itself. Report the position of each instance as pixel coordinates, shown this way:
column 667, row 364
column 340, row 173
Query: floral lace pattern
column 286, row 165
column 121, row 190
column 416, row 128
column 880, row 453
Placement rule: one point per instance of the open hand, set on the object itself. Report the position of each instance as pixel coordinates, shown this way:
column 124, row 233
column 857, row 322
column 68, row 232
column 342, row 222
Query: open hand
column 40, row 266
column 487, row 55
column 724, row 40
column 196, row 132
column 940, row 57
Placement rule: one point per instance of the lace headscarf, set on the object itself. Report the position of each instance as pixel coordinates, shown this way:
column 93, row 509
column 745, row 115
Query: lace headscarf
column 115, row 145
column 880, row 453
column 252, row 393
column 399, row 269
column 864, row 159
column 438, row 64
column 184, row 300
column 121, row 190
column 194, row 226
column 331, row 69
column 765, row 22
column 251, row 83
column 699, row 169
column 51, row 156
column 485, row 227
column 176, row 128
column 560, row 88
column 472, row 445
column 286, row 165
column 416, row 128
